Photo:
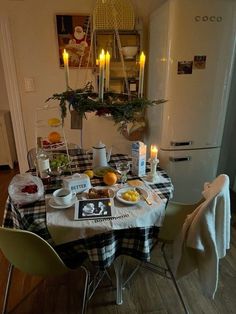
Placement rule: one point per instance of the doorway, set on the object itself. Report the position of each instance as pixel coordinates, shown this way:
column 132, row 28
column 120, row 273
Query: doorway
column 12, row 90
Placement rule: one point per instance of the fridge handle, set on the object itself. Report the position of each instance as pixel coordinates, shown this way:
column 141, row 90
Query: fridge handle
column 178, row 159
column 187, row 143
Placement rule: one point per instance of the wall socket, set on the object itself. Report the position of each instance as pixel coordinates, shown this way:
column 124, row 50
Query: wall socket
column 29, row 84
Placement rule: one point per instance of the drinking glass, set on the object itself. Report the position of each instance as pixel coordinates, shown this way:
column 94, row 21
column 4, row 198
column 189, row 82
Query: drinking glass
column 123, row 167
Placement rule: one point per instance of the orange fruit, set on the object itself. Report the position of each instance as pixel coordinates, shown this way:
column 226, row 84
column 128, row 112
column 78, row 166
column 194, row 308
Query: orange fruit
column 54, row 137
column 110, row 178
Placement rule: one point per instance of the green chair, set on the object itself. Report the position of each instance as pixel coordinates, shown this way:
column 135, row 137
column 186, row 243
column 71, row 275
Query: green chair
column 33, row 255
column 175, row 216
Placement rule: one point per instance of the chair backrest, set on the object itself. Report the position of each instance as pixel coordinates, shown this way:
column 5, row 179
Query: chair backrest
column 30, row 253
column 175, row 216
column 31, row 157
column 205, row 236
column 176, row 213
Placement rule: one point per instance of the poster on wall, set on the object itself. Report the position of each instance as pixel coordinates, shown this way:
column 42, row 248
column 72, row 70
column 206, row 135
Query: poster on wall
column 74, row 35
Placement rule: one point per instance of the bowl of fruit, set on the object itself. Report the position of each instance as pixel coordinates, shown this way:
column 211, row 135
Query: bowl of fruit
column 59, row 163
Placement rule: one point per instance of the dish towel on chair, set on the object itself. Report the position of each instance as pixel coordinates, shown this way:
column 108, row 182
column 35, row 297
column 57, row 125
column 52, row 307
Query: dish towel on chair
column 205, row 236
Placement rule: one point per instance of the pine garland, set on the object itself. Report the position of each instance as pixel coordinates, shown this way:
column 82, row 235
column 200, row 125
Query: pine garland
column 121, row 107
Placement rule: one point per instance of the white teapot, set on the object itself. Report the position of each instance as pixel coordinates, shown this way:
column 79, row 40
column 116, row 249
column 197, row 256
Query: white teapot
column 100, row 156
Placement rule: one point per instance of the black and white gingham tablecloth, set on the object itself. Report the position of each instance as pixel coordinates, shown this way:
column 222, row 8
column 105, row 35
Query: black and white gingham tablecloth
column 101, row 249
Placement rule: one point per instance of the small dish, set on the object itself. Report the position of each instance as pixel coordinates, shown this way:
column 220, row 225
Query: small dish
column 129, row 52
column 85, row 193
column 101, row 171
column 123, row 190
column 53, row 204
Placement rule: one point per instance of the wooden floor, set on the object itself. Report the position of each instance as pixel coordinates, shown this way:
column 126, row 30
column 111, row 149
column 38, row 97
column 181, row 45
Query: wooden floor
column 147, row 293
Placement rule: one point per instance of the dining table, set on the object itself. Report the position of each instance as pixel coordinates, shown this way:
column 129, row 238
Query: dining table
column 129, row 231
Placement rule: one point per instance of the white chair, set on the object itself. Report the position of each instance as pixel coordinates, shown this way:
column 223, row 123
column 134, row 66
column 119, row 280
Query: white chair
column 33, row 255
column 31, row 157
column 183, row 223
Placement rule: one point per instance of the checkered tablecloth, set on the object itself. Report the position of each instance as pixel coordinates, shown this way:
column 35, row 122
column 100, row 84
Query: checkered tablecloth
column 103, row 248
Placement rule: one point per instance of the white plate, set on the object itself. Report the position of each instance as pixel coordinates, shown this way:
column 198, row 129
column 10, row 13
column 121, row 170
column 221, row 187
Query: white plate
column 123, row 190
column 84, row 194
column 53, row 204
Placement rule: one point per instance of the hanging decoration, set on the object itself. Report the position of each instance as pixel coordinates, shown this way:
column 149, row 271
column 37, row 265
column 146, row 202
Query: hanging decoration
column 123, row 108
column 126, row 109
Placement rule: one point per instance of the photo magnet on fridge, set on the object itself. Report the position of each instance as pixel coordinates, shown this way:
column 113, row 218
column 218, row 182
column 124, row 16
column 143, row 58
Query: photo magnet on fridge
column 199, row 62
column 185, row 67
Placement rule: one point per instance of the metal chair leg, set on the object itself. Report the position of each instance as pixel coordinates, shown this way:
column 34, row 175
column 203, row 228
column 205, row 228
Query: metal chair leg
column 91, row 285
column 119, row 267
column 173, row 279
column 10, row 269
column 86, row 290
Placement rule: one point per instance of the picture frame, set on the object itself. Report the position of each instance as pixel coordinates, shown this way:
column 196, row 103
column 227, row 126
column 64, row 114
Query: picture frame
column 93, row 209
column 74, row 34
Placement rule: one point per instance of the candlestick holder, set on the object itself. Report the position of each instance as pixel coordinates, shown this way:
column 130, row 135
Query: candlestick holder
column 152, row 176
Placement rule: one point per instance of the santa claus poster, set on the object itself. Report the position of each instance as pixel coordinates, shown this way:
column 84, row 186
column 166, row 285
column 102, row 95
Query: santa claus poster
column 74, row 35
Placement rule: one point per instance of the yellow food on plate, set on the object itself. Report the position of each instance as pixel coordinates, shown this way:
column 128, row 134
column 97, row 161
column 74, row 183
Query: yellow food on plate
column 110, row 178
column 54, row 122
column 89, row 173
column 54, row 137
column 130, row 196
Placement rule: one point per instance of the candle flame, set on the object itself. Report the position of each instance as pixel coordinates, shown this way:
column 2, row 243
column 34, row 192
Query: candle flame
column 65, row 57
column 154, row 151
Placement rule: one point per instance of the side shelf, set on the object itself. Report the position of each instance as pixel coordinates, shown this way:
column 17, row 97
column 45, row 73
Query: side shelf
column 107, row 40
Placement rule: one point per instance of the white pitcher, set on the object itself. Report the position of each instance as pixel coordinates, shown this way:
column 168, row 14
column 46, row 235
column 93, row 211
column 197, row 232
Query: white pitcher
column 100, row 156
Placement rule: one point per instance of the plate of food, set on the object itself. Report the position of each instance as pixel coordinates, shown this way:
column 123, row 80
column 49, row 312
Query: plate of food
column 98, row 192
column 101, row 171
column 129, row 195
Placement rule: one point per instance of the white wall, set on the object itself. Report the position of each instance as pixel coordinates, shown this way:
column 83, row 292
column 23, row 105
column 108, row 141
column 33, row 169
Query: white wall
column 33, row 31
column 4, row 105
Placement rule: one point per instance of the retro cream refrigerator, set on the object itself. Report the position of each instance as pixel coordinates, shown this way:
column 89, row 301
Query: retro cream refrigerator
column 192, row 44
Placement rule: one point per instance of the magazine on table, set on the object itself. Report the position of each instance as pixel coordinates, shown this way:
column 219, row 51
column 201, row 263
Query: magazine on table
column 93, row 208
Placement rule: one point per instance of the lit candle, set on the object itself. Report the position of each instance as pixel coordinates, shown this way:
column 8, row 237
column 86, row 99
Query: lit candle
column 66, row 66
column 107, row 70
column 154, row 152
column 141, row 74
column 101, row 74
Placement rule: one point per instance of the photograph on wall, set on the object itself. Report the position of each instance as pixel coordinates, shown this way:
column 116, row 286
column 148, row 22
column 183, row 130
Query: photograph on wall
column 93, row 208
column 74, row 35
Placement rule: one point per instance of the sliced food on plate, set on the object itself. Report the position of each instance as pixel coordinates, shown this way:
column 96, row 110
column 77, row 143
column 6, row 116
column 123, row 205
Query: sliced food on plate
column 99, row 192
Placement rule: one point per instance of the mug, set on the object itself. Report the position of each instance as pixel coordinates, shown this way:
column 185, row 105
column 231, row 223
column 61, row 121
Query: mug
column 63, row 196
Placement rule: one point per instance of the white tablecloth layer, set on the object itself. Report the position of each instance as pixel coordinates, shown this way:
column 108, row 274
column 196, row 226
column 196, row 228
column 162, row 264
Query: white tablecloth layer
column 64, row 228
